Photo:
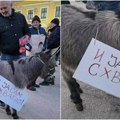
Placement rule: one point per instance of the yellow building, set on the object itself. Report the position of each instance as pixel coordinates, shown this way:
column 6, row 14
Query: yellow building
column 46, row 10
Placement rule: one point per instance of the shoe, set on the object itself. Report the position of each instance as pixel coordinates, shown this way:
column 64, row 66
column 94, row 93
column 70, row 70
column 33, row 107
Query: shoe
column 44, row 83
column 51, row 80
column 35, row 85
column 48, row 82
column 52, row 83
column 31, row 88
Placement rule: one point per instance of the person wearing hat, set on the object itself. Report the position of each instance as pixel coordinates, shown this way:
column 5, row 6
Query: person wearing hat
column 103, row 5
column 36, row 26
column 53, row 34
column 53, row 41
column 34, row 30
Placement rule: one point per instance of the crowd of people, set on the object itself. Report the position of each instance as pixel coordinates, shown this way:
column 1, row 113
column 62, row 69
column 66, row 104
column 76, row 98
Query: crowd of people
column 103, row 5
column 52, row 41
column 98, row 5
column 14, row 26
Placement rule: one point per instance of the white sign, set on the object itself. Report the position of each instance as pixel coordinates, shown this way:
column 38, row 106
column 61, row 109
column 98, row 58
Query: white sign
column 35, row 40
column 100, row 67
column 11, row 95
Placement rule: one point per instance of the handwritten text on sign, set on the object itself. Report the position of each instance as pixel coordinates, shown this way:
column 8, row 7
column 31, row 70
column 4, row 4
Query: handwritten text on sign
column 100, row 67
column 11, row 95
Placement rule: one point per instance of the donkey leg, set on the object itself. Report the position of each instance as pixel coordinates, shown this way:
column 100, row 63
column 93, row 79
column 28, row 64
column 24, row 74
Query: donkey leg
column 73, row 87
column 8, row 111
column 78, row 87
column 75, row 94
column 14, row 114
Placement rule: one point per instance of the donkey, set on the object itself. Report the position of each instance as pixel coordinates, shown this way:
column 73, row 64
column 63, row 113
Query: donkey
column 26, row 70
column 78, row 27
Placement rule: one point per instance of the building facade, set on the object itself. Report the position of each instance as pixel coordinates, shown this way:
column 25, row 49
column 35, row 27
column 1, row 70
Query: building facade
column 46, row 10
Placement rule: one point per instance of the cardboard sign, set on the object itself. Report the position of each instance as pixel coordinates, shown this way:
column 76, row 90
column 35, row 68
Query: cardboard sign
column 35, row 40
column 11, row 95
column 100, row 67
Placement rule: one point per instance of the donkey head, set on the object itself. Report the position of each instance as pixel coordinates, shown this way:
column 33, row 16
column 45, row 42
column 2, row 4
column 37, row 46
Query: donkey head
column 44, row 55
column 49, row 63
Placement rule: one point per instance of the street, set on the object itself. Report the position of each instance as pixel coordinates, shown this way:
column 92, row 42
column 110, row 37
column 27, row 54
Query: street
column 44, row 103
column 97, row 104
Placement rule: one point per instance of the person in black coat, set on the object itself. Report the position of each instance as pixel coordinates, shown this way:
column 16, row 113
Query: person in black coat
column 65, row 2
column 53, row 41
column 13, row 26
column 54, row 34
column 103, row 5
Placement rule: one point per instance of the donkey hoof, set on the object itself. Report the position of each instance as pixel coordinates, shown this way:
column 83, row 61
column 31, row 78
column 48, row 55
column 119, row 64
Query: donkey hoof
column 15, row 116
column 8, row 112
column 79, row 107
column 80, row 90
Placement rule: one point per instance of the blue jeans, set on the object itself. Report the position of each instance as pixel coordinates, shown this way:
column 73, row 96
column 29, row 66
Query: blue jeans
column 11, row 57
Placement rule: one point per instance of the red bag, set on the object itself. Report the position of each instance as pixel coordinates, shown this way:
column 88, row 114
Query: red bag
column 22, row 49
column 23, row 41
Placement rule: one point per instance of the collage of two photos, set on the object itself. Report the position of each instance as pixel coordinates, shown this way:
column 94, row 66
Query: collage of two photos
column 59, row 59
column 30, row 59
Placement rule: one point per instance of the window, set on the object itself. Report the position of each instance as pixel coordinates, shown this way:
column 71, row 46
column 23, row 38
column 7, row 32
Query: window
column 43, row 13
column 57, row 11
column 30, row 14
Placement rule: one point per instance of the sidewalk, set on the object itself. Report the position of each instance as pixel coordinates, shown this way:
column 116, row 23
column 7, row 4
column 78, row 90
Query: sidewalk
column 97, row 104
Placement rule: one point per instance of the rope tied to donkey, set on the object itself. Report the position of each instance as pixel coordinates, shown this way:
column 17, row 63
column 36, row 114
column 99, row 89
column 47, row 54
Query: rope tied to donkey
column 96, row 34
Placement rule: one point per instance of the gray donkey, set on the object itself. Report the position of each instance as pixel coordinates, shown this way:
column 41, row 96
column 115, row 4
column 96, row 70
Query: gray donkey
column 78, row 27
column 26, row 70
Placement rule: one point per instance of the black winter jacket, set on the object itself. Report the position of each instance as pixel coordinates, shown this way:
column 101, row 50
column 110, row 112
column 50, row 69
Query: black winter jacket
column 12, row 28
column 54, row 38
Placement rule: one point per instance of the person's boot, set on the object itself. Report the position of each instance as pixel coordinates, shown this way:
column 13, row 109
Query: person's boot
column 35, row 85
column 44, row 83
column 48, row 81
column 51, row 80
column 31, row 88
